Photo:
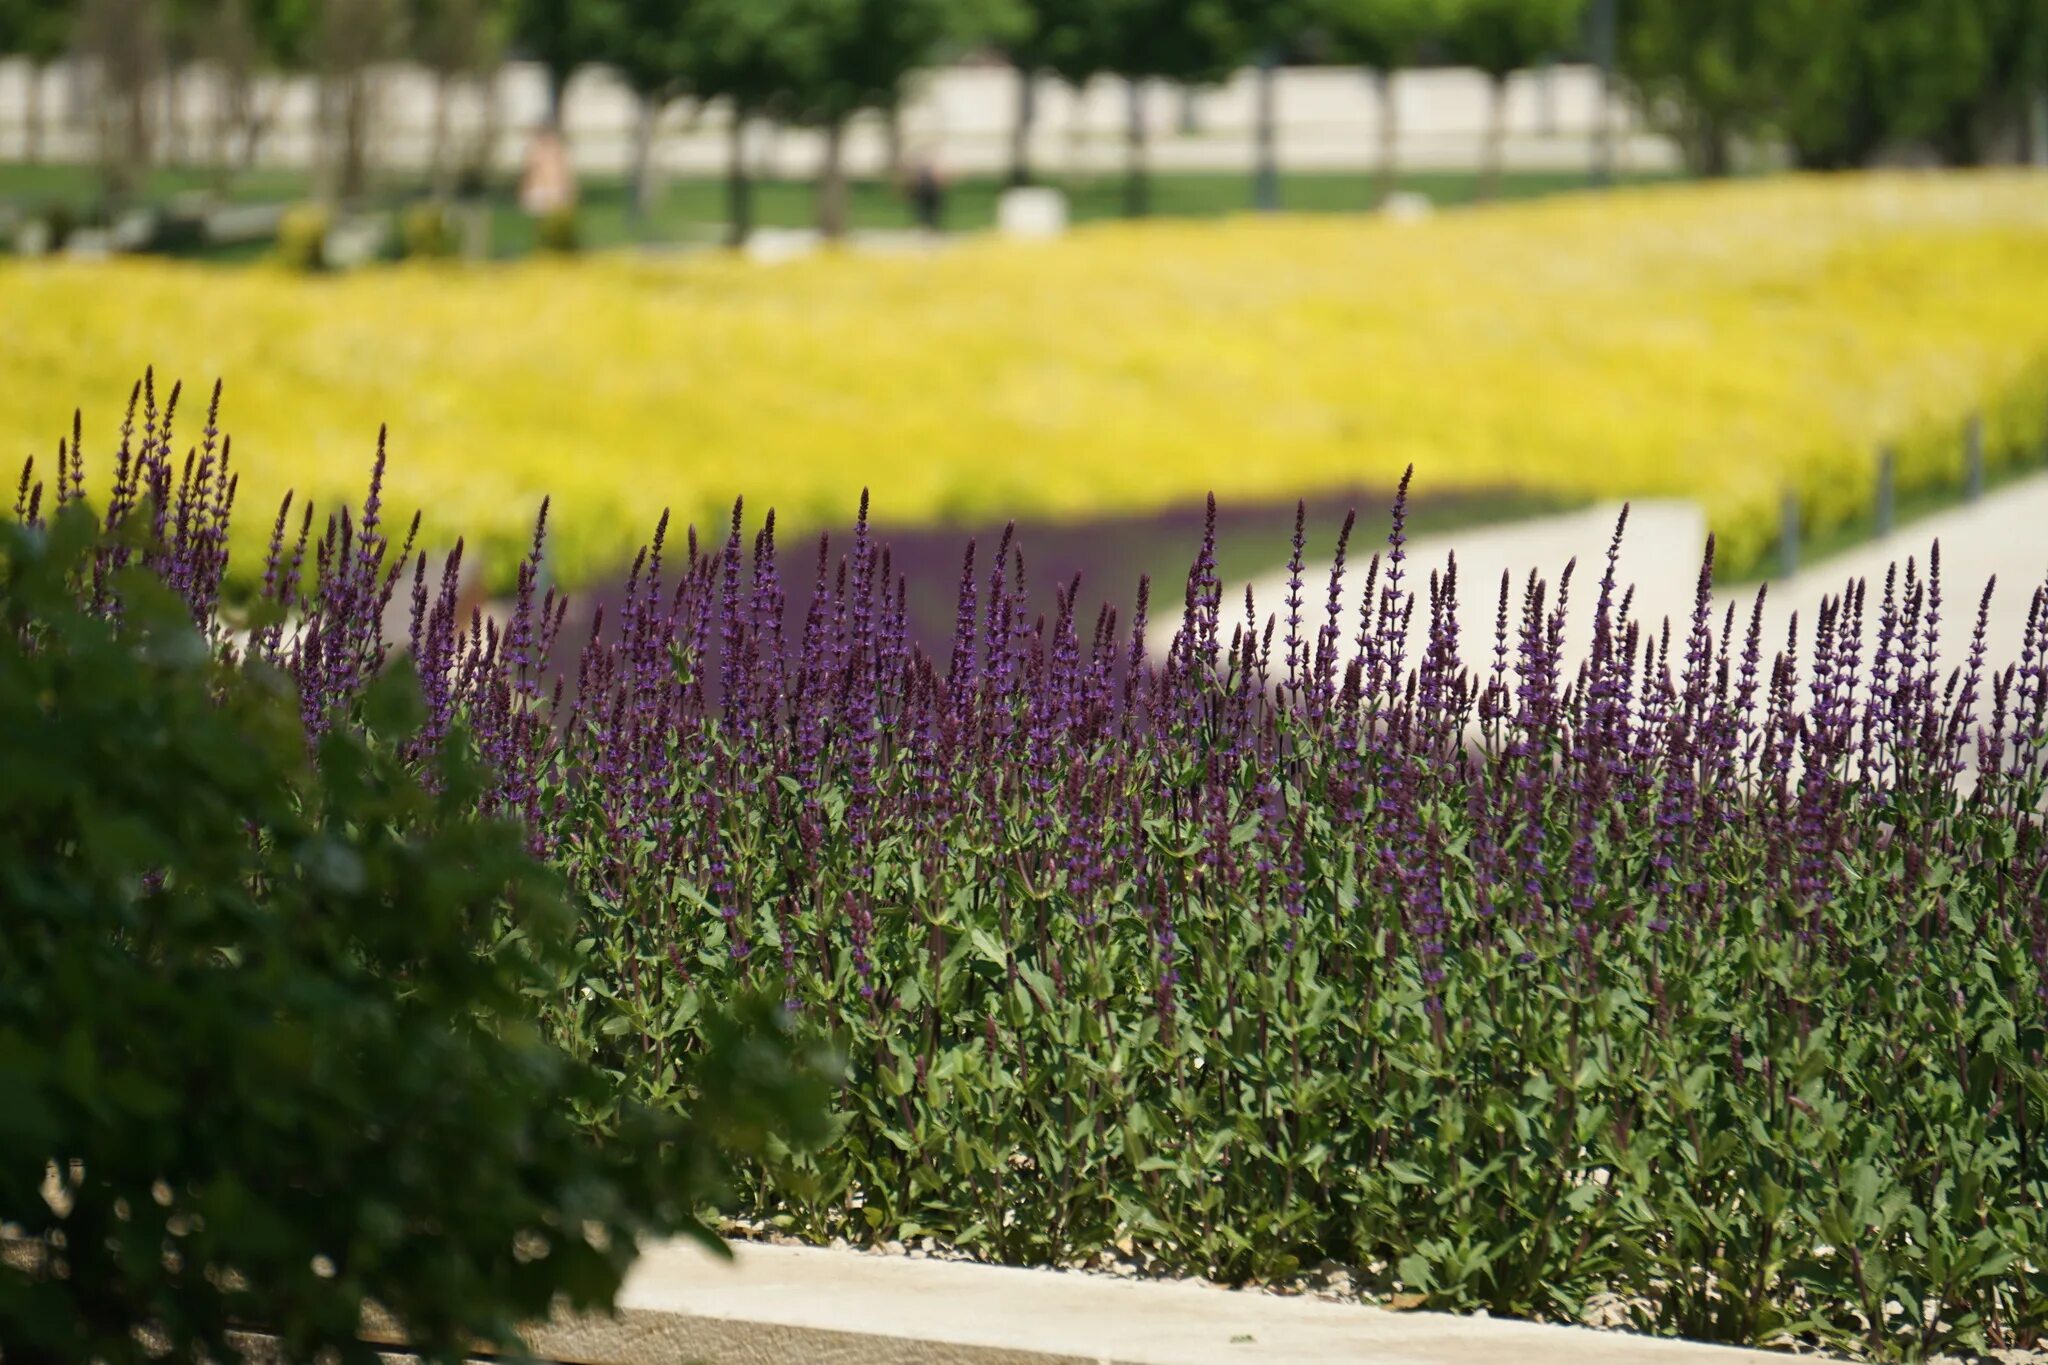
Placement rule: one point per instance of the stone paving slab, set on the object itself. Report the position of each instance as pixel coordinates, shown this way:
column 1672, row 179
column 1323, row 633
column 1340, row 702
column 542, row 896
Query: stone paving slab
column 775, row 1303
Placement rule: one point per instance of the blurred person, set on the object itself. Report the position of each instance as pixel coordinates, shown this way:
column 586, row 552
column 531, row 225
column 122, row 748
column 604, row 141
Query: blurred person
column 924, row 185
column 547, row 181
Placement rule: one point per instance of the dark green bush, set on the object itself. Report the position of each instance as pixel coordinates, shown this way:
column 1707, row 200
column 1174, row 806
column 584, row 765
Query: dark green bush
column 427, row 231
column 559, row 231
column 302, row 237
column 268, row 1043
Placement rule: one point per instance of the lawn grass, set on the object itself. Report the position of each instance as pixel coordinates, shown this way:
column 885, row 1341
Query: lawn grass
column 35, row 186
column 692, row 210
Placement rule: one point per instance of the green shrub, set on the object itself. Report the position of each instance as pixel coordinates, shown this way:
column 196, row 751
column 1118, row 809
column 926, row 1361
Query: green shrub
column 302, row 237
column 428, row 231
column 60, row 220
column 559, row 231
column 267, row 1037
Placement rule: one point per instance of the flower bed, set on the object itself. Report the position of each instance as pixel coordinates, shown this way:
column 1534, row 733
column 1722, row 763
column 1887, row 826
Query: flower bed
column 1723, row 343
column 1709, row 981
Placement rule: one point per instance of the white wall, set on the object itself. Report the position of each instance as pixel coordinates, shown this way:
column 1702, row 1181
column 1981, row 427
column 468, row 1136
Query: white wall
column 1329, row 119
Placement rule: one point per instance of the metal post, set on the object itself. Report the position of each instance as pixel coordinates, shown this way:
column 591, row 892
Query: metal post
column 1887, row 489
column 1973, row 458
column 1266, row 173
column 1788, row 536
column 1602, row 44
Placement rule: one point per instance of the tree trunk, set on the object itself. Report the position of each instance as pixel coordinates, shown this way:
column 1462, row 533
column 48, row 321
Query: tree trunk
column 892, row 142
column 1137, row 177
column 482, row 157
column 354, row 178
column 832, row 183
column 174, row 150
column 439, row 169
column 1715, row 155
column 126, row 151
column 1388, row 175
column 1604, row 42
column 255, row 125
column 739, row 185
column 1020, row 128
column 1496, row 140
column 1266, row 134
column 642, row 197
column 32, row 117
column 342, row 165
column 558, row 99
column 221, row 134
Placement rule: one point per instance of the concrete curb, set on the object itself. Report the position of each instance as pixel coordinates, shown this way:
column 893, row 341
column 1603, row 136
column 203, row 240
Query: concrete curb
column 775, row 1303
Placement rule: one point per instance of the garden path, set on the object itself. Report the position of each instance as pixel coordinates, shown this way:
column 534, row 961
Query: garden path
column 2004, row 534
column 775, row 1303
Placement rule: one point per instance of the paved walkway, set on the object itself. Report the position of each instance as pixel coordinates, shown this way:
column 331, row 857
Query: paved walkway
column 2005, row 535
column 777, row 1304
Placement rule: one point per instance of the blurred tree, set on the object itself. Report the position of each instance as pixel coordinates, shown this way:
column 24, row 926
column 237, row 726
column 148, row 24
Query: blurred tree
column 1385, row 37
column 353, row 37
column 741, row 52
column 1501, row 37
column 1703, row 74
column 649, row 45
column 458, row 42
column 840, row 58
column 1274, row 29
column 1859, row 76
column 1041, row 37
column 2009, row 41
column 762, row 58
column 1840, row 80
column 248, row 40
column 1192, row 42
column 37, row 31
column 2026, row 92
column 124, row 41
column 563, row 36
column 184, row 41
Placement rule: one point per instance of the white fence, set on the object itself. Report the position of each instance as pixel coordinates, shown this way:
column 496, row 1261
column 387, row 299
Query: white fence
column 1329, row 119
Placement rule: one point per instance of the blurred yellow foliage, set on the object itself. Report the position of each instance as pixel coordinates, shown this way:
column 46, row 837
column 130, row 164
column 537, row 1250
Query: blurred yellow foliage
column 1721, row 342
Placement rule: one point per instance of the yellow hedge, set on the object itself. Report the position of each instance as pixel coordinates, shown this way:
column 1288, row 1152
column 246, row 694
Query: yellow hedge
column 1719, row 342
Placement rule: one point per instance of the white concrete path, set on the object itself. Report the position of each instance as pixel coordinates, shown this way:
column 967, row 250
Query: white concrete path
column 2005, row 534
column 1660, row 556
column 774, row 1304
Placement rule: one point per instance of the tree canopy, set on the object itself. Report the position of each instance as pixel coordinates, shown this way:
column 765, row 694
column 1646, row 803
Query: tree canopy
column 1501, row 37
column 1382, row 35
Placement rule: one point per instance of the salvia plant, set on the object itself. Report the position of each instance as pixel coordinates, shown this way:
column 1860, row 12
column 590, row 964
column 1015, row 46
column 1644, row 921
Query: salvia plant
column 1706, row 976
